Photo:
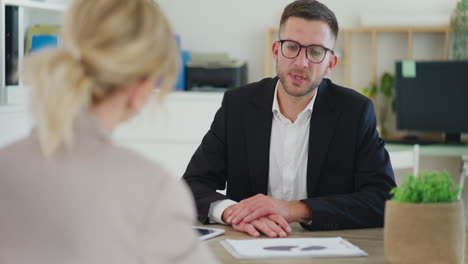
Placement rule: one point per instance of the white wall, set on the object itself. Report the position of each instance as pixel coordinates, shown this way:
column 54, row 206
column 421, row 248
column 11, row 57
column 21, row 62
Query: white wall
column 239, row 27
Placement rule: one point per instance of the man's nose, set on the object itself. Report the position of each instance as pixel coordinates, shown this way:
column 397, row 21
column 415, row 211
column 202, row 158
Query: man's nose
column 301, row 59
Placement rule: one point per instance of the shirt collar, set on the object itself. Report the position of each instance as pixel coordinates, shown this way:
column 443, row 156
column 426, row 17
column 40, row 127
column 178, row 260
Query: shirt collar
column 275, row 108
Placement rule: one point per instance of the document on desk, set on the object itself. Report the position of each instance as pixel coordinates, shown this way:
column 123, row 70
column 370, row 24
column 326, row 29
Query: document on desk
column 292, row 248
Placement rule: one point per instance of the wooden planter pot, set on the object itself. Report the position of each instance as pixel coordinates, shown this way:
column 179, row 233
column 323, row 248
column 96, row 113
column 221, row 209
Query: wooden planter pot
column 424, row 233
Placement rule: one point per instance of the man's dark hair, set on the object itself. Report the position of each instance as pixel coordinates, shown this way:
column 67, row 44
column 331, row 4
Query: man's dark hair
column 310, row 10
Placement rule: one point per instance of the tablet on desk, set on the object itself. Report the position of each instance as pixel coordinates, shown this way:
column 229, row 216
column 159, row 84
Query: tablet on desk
column 207, row 232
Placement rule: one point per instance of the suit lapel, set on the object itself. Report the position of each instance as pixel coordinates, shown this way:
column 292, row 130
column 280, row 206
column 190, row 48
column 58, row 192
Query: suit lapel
column 322, row 126
column 258, row 135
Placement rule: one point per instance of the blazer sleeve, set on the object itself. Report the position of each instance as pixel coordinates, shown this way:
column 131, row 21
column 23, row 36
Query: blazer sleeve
column 206, row 171
column 373, row 179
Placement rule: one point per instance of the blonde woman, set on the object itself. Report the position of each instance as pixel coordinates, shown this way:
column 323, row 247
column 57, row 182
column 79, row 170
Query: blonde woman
column 67, row 194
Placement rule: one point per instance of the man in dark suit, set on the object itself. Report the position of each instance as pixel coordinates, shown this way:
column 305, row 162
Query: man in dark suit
column 295, row 148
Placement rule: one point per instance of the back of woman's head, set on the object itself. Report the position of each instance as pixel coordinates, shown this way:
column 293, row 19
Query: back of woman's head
column 107, row 45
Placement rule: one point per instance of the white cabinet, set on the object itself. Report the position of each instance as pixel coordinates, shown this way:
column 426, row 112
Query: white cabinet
column 29, row 13
column 170, row 132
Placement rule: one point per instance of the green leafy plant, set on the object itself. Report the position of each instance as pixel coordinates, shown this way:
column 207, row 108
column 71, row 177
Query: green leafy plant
column 433, row 187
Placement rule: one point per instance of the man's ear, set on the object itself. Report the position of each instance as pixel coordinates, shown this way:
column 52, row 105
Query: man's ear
column 275, row 49
column 138, row 94
column 332, row 63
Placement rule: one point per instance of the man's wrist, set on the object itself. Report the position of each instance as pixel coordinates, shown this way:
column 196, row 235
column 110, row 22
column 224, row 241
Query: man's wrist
column 300, row 212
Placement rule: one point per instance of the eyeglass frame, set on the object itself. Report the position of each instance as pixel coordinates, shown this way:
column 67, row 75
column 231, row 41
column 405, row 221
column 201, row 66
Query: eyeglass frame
column 281, row 41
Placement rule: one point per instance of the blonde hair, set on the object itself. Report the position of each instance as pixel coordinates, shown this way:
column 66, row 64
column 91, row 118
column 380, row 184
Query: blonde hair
column 106, row 45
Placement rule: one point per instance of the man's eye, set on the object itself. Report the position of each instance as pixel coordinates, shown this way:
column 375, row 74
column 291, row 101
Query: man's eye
column 315, row 52
column 291, row 47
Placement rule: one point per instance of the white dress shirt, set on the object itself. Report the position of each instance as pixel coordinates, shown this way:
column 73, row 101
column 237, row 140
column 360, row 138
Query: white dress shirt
column 289, row 147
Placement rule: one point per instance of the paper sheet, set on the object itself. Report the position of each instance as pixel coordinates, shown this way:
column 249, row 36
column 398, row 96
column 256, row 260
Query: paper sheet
column 292, row 247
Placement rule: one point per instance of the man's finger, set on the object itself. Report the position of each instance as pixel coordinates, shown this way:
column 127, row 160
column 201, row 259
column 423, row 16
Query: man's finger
column 230, row 209
column 238, row 208
column 257, row 214
column 281, row 222
column 235, row 210
column 273, row 226
column 238, row 216
column 250, row 229
column 263, row 227
column 227, row 212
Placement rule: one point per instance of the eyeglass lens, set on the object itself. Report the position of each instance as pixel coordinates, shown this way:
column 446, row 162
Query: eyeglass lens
column 291, row 50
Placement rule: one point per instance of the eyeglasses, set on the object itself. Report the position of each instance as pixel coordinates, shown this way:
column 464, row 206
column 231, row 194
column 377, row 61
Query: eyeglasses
column 315, row 53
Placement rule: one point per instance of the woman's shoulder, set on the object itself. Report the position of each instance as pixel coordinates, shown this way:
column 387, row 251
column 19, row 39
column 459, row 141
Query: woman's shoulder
column 20, row 150
column 164, row 184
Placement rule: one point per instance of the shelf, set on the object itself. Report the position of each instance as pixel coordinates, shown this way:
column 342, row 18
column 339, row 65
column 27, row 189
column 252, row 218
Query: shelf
column 374, row 32
column 29, row 12
column 36, row 4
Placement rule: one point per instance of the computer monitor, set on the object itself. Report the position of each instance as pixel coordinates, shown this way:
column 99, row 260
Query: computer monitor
column 432, row 96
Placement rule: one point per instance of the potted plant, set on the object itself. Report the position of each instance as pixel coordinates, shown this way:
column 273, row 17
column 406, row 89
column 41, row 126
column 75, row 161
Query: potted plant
column 424, row 221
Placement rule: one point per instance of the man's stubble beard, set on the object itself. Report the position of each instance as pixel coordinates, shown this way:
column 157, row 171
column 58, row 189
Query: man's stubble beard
column 283, row 76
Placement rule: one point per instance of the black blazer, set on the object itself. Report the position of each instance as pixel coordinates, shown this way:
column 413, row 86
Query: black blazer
column 349, row 174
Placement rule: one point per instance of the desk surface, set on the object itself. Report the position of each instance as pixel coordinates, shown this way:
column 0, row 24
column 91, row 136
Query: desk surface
column 369, row 240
